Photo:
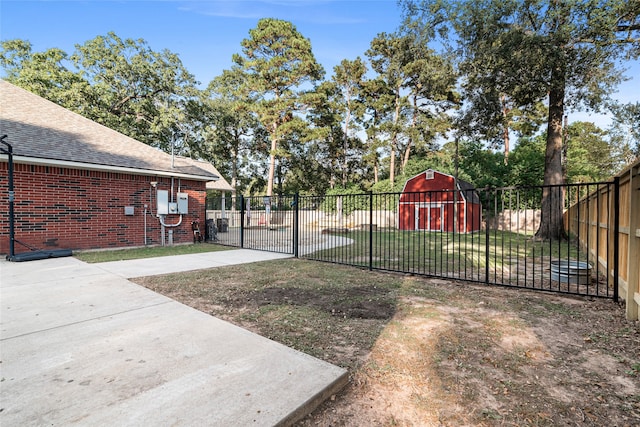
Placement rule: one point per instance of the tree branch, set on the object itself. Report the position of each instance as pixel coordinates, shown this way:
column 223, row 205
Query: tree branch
column 619, row 41
column 116, row 107
column 628, row 27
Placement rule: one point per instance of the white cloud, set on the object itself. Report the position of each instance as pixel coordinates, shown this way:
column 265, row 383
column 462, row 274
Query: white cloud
column 310, row 11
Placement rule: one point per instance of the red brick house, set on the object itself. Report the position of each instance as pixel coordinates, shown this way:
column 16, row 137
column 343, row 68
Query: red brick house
column 433, row 201
column 81, row 185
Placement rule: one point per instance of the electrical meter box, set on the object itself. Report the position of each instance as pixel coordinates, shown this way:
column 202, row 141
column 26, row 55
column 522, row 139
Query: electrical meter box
column 163, row 202
column 183, row 203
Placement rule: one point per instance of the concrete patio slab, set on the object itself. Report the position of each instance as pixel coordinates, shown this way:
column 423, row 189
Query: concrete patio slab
column 81, row 345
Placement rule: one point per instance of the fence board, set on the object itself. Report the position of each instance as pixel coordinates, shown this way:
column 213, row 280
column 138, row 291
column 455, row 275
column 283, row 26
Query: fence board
column 632, row 295
column 602, row 226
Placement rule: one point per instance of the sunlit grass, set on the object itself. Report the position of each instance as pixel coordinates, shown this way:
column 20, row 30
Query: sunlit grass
column 147, row 252
column 444, row 252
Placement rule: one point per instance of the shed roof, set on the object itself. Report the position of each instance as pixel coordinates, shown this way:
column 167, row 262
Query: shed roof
column 41, row 131
column 468, row 189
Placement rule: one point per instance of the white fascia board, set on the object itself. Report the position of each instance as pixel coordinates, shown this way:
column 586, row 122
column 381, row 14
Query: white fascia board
column 103, row 168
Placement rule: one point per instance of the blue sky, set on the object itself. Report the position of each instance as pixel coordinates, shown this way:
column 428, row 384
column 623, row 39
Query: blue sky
column 206, row 33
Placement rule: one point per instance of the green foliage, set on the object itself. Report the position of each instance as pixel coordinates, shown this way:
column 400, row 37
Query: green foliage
column 387, row 194
column 477, row 165
column 270, row 120
column 326, row 144
column 44, row 73
column 345, row 99
column 442, row 160
column 484, row 168
column 519, row 53
column 230, row 135
column 122, row 84
column 345, row 200
column 527, row 162
column 625, row 131
column 134, row 89
column 589, row 155
column 512, row 53
column 277, row 61
column 408, row 100
column 526, row 169
column 385, row 186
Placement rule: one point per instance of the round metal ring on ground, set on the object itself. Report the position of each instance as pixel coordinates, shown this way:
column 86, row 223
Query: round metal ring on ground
column 577, row 272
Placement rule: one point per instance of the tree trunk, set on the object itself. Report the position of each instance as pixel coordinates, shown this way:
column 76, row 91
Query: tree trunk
column 506, row 145
column 414, row 120
column 392, row 165
column 345, row 146
column 272, row 163
column 234, row 164
column 279, row 169
column 505, row 131
column 405, row 159
column 394, row 140
column 551, row 219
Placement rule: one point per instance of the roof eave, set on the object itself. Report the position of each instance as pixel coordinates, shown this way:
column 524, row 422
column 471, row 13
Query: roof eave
column 107, row 168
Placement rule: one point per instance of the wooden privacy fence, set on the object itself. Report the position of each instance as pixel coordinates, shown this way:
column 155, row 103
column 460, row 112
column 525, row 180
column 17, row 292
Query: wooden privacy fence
column 612, row 213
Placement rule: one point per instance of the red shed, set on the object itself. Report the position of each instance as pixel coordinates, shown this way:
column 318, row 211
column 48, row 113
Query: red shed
column 430, row 201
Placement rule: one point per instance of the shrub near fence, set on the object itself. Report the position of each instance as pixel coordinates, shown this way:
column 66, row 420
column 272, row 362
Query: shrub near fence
column 602, row 216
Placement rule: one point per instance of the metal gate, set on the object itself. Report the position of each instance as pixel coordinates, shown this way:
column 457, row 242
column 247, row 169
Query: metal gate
column 258, row 222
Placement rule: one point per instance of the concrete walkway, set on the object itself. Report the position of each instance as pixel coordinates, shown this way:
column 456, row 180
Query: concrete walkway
column 175, row 264
column 82, row 345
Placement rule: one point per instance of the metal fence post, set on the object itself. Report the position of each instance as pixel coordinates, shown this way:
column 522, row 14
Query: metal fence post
column 241, row 221
column 486, row 239
column 370, row 230
column 9, row 152
column 296, row 225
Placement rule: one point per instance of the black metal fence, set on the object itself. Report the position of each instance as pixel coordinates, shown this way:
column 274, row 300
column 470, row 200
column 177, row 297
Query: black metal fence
column 484, row 235
column 257, row 222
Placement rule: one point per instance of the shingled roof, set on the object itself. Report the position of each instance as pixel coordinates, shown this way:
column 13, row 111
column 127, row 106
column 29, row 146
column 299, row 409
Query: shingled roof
column 221, row 184
column 43, row 132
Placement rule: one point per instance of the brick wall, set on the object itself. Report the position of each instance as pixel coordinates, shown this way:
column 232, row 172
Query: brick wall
column 62, row 208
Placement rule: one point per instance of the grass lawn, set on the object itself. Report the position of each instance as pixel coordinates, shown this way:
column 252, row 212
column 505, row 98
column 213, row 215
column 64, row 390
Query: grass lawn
column 147, row 252
column 394, row 249
column 426, row 351
column 499, row 257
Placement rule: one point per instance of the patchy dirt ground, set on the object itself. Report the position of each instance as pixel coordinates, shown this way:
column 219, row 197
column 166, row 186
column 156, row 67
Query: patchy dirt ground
column 429, row 352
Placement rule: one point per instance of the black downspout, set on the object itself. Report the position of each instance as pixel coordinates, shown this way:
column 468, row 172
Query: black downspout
column 9, row 152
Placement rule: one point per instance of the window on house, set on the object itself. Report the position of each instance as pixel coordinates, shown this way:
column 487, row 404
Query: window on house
column 428, row 174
